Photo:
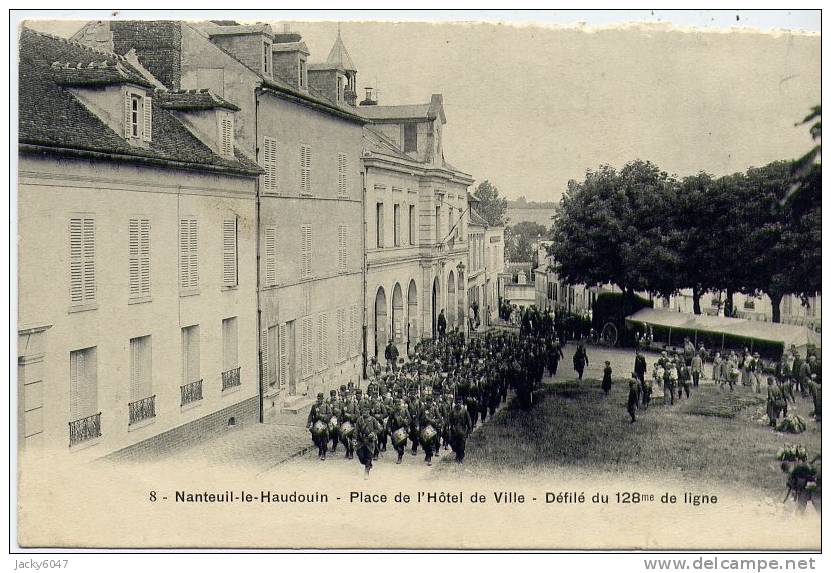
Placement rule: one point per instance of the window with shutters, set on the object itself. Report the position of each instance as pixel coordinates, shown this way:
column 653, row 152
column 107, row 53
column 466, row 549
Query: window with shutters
column 306, row 350
column 342, row 339
column 342, row 246
column 83, row 384
column 226, row 135
column 271, row 356
column 142, row 403
column 322, row 342
column 139, row 259
column 343, row 190
column 188, row 255
column 305, row 251
column 412, row 225
column 379, row 225
column 396, row 223
column 138, row 116
column 270, row 165
column 230, row 276
column 270, row 256
column 82, row 288
column 305, row 170
column 230, row 346
column 190, row 354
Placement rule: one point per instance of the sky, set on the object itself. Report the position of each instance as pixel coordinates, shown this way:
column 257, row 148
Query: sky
column 531, row 105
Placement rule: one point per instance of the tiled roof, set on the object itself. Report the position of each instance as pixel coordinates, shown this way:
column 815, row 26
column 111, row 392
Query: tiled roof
column 380, row 112
column 193, row 100
column 238, row 29
column 51, row 119
column 377, row 141
column 96, row 73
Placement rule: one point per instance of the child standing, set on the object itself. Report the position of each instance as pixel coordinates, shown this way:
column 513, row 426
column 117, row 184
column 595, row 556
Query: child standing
column 607, row 378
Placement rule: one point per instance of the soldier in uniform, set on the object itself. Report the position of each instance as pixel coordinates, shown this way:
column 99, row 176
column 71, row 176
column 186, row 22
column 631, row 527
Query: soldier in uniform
column 350, row 412
column 320, row 412
column 460, row 427
column 366, row 437
column 399, row 419
column 430, row 416
column 335, row 419
column 414, row 407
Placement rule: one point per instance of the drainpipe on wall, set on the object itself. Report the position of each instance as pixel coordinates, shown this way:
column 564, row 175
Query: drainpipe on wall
column 257, row 243
column 364, row 173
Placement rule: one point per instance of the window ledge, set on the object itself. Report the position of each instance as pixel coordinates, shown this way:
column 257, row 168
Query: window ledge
column 141, row 424
column 140, row 300
column 191, row 405
column 268, row 287
column 86, row 444
column 229, row 287
column 193, row 292
column 83, row 307
column 232, row 389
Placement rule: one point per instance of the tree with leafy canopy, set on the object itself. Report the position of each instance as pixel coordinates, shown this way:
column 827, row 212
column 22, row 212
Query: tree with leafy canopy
column 619, row 227
column 519, row 240
column 492, row 207
column 696, row 236
column 784, row 250
column 807, row 170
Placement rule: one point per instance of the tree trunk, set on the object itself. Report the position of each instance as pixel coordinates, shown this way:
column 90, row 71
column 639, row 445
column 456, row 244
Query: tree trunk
column 775, row 303
column 728, row 303
column 696, row 300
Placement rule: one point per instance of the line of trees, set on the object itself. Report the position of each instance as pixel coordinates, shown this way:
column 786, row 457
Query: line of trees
column 645, row 230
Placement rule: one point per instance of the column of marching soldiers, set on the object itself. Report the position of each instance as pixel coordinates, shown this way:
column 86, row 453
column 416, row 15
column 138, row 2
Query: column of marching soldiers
column 435, row 399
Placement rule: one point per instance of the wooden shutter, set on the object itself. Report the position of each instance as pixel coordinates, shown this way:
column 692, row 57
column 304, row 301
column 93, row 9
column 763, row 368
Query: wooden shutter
column 305, row 169
column 83, row 384
column 283, row 357
column 188, row 254
column 140, row 368
column 306, row 251
column 147, row 112
column 271, row 256
column 81, row 260
column 89, row 259
column 264, row 351
column 227, row 136
column 353, row 323
column 322, row 342
column 193, row 251
column 270, row 163
column 342, row 170
column 128, row 120
column 342, row 248
column 76, row 261
column 229, row 252
column 139, row 257
column 306, row 353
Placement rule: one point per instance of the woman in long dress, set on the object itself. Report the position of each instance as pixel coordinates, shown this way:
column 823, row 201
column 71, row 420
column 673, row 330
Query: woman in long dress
column 718, row 377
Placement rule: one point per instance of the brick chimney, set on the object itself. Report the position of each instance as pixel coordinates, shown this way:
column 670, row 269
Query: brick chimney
column 157, row 44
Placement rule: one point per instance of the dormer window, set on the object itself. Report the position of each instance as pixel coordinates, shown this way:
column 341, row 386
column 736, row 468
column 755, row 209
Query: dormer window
column 301, row 71
column 409, row 138
column 266, row 57
column 340, row 88
column 226, row 135
column 138, row 116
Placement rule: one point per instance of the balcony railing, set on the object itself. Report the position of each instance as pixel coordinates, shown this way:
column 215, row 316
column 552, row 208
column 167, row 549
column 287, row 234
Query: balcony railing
column 143, row 409
column 230, row 378
column 85, row 429
column 191, row 392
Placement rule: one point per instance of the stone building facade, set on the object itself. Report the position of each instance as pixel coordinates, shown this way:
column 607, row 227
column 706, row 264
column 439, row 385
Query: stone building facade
column 137, row 258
